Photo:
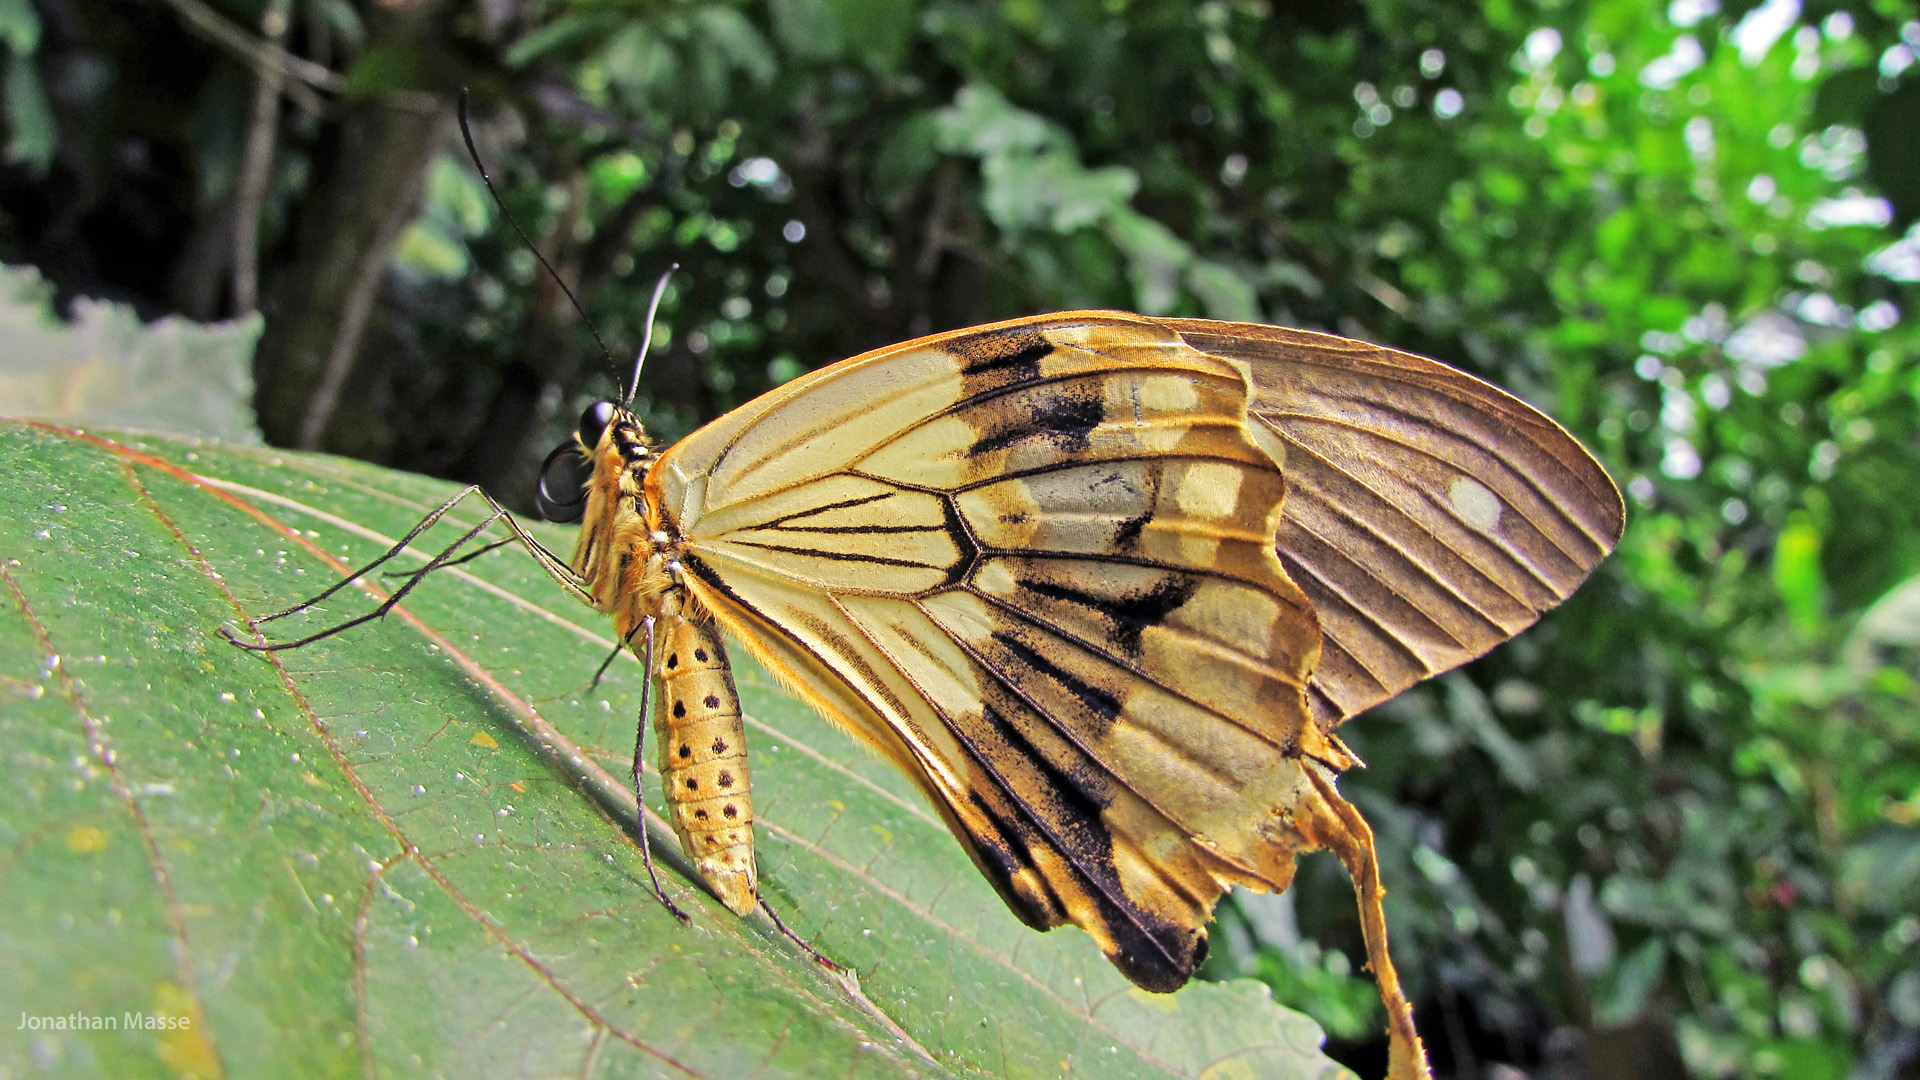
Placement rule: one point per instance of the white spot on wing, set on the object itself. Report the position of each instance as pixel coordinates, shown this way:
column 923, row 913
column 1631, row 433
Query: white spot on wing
column 1476, row 503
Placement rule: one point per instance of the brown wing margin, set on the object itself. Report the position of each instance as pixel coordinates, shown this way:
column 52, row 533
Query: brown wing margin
column 1429, row 515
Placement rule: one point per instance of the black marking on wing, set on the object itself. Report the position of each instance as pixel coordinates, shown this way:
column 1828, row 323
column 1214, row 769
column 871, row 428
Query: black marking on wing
column 1128, row 534
column 998, row 857
column 1063, row 420
column 829, row 507
column 858, row 530
column 1100, row 651
column 1102, row 703
column 1066, row 832
column 1082, row 762
column 837, row 556
column 1076, row 796
column 971, row 550
column 1127, row 616
column 1014, row 352
column 1155, row 955
column 1050, row 467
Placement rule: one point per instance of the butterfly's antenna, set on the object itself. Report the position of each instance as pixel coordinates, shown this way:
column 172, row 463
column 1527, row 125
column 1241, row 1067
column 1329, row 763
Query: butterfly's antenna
column 659, row 290
column 467, row 134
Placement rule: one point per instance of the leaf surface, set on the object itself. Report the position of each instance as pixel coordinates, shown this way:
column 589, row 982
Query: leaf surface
column 406, row 850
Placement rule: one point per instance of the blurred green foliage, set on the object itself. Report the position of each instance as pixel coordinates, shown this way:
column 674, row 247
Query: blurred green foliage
column 1679, row 821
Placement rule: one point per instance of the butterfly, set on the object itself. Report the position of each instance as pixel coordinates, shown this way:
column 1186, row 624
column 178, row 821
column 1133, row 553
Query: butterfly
column 1102, row 585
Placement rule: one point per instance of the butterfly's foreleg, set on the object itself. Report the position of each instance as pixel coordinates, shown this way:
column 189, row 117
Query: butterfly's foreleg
column 467, row 558
column 554, row 566
column 703, row 758
column 386, row 605
column 425, row 524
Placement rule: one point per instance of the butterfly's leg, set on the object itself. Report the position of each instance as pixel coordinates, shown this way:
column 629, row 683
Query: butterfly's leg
column 797, row 939
column 554, row 565
column 425, row 524
column 639, row 794
column 385, row 606
column 1338, row 826
column 601, row 673
column 551, row 563
column 467, row 558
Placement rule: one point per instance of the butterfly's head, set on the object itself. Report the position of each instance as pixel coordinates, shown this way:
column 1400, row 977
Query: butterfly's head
column 608, row 444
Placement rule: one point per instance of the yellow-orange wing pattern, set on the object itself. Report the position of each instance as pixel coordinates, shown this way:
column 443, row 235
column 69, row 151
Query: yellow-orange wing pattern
column 1031, row 564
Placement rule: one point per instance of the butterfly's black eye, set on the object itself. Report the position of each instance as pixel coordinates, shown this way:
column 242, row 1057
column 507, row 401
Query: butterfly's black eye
column 561, row 493
column 593, row 422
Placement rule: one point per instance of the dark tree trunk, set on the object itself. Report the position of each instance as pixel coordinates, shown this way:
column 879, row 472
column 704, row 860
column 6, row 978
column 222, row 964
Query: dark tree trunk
column 318, row 307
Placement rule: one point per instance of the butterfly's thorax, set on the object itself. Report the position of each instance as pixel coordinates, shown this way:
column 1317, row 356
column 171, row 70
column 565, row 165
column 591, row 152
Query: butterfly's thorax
column 629, row 556
column 619, row 554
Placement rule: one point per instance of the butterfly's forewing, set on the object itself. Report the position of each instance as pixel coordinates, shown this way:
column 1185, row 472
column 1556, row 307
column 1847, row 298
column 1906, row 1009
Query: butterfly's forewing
column 1049, row 569
column 1032, row 564
column 1429, row 515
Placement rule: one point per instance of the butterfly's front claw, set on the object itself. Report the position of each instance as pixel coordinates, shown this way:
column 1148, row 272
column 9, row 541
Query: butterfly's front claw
column 672, row 908
column 797, row 940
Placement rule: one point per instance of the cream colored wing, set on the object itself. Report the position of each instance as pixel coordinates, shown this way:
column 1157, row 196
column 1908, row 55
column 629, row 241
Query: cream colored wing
column 1429, row 515
column 1033, row 565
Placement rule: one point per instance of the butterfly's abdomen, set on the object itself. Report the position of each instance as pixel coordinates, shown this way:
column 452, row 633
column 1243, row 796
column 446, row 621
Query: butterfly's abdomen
column 703, row 759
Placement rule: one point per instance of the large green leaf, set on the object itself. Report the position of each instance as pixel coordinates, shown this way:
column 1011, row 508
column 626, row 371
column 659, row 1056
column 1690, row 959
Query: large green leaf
column 372, row 855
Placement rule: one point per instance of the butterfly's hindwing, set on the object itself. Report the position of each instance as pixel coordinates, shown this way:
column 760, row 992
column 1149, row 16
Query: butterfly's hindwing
column 1429, row 516
column 1036, row 568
